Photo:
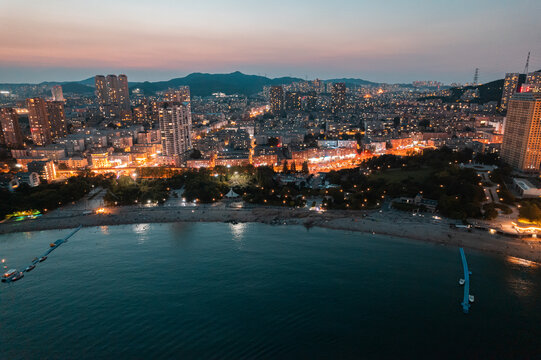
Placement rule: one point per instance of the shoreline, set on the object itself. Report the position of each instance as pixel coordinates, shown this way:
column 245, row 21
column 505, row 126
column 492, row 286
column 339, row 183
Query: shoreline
column 371, row 222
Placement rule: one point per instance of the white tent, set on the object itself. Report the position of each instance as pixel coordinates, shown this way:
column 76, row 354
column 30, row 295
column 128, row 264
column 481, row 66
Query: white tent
column 231, row 194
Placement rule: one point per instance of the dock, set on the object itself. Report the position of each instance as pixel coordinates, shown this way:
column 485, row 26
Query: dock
column 57, row 243
column 466, row 301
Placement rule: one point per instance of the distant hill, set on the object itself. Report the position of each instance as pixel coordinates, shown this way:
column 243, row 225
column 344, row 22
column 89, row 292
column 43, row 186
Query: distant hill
column 491, row 91
column 351, row 81
column 76, row 88
column 202, row 84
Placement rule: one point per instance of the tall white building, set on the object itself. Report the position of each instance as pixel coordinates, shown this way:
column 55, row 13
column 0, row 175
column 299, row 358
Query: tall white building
column 57, row 93
column 176, row 129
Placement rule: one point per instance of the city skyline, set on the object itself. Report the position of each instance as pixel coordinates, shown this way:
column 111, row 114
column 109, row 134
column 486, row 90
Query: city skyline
column 389, row 42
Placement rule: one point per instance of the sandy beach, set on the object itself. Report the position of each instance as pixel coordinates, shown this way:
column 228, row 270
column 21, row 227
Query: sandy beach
column 390, row 223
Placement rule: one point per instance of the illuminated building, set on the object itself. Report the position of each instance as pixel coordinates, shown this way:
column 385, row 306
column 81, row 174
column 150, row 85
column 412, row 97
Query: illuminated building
column 511, row 84
column 46, row 169
column 276, row 95
column 101, row 89
column 521, row 146
column 176, row 128
column 57, row 93
column 178, row 95
column 100, row 160
column 293, row 100
column 123, row 92
column 534, row 81
column 9, row 127
column 30, row 178
column 113, row 97
column 338, row 95
column 40, row 126
column 57, row 118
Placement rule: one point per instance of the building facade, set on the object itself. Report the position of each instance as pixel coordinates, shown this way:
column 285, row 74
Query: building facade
column 521, row 146
column 57, row 93
column 113, row 95
column 40, row 127
column 511, row 84
column 175, row 121
column 276, row 99
column 10, row 129
column 338, row 97
column 57, row 118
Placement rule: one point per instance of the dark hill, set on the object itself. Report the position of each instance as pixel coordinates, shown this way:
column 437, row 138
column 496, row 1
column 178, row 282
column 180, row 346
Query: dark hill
column 491, row 91
column 202, row 84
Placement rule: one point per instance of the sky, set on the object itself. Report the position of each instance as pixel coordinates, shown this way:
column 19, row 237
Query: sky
column 384, row 41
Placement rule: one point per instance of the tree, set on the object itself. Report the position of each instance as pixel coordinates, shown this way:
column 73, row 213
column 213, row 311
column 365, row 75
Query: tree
column 284, row 167
column 396, row 122
column 195, row 154
column 305, row 169
column 293, row 167
column 424, row 123
column 273, row 141
column 530, row 212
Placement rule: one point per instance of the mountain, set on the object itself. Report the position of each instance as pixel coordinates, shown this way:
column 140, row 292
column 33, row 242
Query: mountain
column 351, row 81
column 76, row 88
column 202, row 84
column 491, row 91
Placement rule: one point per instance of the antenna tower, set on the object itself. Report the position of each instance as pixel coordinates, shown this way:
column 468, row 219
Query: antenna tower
column 527, row 65
column 476, row 77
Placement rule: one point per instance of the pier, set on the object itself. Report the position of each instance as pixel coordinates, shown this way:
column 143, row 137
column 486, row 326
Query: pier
column 53, row 246
column 466, row 301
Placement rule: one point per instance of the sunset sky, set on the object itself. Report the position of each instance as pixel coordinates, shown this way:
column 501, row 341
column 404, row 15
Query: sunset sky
column 391, row 41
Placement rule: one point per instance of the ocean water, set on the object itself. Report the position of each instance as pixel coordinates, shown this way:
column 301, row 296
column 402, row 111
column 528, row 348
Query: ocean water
column 247, row 291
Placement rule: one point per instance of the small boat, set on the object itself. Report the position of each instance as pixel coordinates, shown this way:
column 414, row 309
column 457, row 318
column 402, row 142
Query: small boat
column 43, row 258
column 472, row 298
column 17, row 276
column 461, row 282
column 56, row 243
column 30, row 268
column 8, row 274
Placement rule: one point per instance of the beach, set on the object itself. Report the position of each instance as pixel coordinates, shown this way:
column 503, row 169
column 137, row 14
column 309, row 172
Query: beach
column 392, row 223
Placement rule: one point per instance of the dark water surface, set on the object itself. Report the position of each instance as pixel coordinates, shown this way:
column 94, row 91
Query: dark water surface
column 249, row 291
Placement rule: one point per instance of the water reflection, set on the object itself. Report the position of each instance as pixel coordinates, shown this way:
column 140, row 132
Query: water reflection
column 238, row 232
column 104, row 230
column 522, row 262
column 517, row 281
column 142, row 231
column 141, row 228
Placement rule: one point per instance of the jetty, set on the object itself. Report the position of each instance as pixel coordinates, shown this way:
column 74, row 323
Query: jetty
column 466, row 301
column 53, row 246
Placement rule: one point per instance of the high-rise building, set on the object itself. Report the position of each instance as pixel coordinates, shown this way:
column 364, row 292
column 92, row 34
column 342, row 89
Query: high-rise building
column 123, row 92
column 181, row 94
column 113, row 96
column 521, row 146
column 112, row 89
column 57, row 93
column 293, row 100
column 533, row 81
column 57, row 119
column 40, row 127
column 176, row 128
column 276, row 95
column 511, row 85
column 338, row 97
column 9, row 127
column 309, row 102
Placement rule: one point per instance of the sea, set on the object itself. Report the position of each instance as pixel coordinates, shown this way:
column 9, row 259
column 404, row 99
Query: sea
column 256, row 291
